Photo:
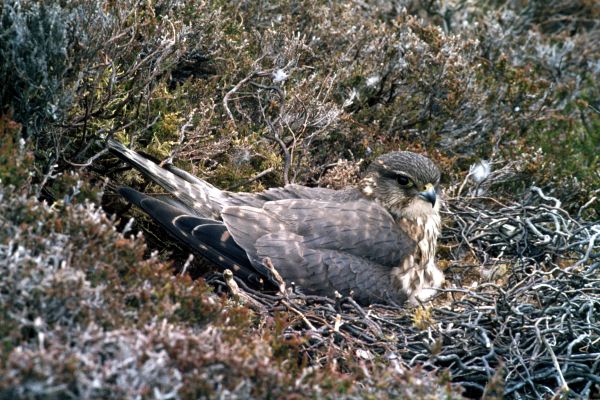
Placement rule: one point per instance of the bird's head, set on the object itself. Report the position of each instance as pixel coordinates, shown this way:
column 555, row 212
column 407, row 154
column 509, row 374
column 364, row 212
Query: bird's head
column 405, row 183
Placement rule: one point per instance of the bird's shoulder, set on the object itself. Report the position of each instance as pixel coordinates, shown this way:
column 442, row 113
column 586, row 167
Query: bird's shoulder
column 293, row 191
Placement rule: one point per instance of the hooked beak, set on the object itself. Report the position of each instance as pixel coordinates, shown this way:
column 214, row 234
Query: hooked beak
column 429, row 194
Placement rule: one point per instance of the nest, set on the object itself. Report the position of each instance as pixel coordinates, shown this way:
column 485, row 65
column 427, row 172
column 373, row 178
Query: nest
column 527, row 326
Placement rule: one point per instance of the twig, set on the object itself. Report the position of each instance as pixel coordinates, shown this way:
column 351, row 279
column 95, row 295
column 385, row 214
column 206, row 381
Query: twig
column 252, row 179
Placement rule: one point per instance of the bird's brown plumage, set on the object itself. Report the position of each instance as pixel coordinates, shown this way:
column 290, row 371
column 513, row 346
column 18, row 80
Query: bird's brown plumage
column 376, row 241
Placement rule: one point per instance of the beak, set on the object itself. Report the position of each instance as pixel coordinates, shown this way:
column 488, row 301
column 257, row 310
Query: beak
column 429, row 194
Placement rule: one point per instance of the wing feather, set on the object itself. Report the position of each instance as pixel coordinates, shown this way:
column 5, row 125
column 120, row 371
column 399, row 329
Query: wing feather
column 336, row 226
column 322, row 271
column 203, row 236
column 324, row 246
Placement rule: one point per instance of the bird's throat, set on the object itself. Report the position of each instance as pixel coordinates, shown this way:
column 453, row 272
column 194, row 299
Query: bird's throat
column 418, row 275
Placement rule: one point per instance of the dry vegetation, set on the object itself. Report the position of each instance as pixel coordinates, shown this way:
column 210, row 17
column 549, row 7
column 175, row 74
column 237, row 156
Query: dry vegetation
column 257, row 94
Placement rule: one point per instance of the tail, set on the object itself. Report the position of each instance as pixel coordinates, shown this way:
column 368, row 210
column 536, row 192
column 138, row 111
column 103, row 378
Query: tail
column 198, row 197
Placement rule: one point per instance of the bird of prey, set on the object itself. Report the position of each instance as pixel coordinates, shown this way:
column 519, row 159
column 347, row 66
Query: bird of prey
column 376, row 242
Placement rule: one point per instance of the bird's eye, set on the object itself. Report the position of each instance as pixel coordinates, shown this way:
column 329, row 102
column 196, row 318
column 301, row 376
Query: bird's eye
column 403, row 180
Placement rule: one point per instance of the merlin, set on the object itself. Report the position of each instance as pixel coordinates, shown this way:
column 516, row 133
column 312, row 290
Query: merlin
column 376, row 241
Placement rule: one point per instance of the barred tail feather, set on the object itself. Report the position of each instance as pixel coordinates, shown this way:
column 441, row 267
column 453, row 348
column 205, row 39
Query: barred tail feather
column 194, row 193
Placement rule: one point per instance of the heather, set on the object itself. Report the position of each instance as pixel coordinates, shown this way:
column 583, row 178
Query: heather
column 503, row 95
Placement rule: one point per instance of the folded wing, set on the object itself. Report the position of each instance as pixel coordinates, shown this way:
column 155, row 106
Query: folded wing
column 206, row 237
column 325, row 246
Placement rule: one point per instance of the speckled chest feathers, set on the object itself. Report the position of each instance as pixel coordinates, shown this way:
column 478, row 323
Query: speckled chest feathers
column 407, row 185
